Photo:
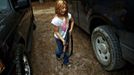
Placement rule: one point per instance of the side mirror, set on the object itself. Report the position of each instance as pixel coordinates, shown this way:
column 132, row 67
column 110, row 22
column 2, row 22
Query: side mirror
column 21, row 4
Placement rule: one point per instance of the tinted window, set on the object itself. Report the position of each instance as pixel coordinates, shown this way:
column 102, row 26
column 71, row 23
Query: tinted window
column 3, row 5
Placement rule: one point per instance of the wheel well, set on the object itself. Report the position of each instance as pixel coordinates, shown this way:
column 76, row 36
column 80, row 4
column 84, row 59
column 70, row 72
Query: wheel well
column 101, row 21
column 97, row 22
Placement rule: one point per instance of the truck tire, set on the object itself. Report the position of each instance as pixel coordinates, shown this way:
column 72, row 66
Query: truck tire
column 106, row 47
column 22, row 63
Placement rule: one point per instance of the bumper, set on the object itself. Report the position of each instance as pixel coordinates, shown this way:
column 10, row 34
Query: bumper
column 127, row 45
column 127, row 53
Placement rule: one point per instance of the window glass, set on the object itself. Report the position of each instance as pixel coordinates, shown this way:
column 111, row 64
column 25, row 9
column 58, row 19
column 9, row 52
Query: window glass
column 3, row 5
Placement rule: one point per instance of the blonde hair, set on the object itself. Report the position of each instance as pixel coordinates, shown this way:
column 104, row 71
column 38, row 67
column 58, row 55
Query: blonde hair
column 59, row 6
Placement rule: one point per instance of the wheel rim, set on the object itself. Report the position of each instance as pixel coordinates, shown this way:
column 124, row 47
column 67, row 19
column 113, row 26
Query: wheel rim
column 102, row 50
column 27, row 70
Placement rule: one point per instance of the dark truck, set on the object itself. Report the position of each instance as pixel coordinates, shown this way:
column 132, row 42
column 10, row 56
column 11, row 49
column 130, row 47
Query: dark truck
column 16, row 31
column 111, row 26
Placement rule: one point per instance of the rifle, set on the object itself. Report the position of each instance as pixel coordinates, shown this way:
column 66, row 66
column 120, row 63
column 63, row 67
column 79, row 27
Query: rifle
column 68, row 47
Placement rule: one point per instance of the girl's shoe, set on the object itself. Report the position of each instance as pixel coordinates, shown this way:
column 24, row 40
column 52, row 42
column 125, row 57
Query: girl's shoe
column 58, row 58
column 67, row 65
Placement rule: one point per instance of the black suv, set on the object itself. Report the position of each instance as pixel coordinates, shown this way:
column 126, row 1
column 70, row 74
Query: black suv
column 16, row 27
column 111, row 26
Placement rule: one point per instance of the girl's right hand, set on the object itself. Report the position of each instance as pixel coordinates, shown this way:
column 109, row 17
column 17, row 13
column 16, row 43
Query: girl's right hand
column 63, row 42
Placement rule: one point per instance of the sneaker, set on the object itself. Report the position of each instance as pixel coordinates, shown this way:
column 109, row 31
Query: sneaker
column 58, row 58
column 68, row 65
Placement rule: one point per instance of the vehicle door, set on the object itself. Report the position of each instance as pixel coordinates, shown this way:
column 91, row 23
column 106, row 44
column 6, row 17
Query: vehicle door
column 8, row 23
column 84, row 12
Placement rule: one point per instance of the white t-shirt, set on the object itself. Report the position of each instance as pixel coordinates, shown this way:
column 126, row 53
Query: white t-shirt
column 62, row 24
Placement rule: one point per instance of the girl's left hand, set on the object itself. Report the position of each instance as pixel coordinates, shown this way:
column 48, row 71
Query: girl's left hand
column 70, row 32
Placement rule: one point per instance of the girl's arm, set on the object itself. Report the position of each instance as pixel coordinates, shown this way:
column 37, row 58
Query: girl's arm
column 72, row 25
column 56, row 29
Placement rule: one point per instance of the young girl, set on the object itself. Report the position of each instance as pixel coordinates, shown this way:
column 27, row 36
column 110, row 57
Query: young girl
column 61, row 24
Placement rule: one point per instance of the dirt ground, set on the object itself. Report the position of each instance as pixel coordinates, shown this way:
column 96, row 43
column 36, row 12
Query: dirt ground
column 43, row 53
